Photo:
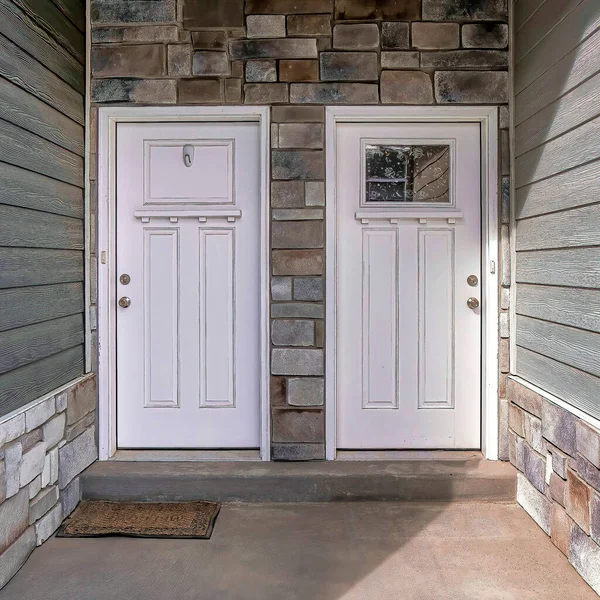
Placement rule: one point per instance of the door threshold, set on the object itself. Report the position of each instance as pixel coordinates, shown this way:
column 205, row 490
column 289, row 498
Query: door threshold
column 408, row 455
column 186, row 455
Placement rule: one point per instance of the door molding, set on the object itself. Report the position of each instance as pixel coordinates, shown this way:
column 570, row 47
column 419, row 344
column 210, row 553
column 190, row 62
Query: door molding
column 108, row 118
column 487, row 117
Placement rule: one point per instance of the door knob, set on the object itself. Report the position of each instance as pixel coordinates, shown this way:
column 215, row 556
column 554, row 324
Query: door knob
column 473, row 303
column 124, row 302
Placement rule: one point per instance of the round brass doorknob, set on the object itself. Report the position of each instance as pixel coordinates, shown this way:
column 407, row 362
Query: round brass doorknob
column 473, row 303
column 124, row 302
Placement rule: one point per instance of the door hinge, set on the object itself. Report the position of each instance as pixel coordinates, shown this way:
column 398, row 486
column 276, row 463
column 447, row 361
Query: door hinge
column 492, row 267
column 103, row 257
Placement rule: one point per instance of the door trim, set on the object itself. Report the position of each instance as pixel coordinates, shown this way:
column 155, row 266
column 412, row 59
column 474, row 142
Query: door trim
column 108, row 118
column 487, row 117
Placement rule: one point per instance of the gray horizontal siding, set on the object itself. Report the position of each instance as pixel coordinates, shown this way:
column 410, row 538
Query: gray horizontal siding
column 557, row 199
column 42, row 80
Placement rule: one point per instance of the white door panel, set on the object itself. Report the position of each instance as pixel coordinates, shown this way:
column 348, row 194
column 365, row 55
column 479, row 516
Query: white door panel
column 408, row 346
column 187, row 346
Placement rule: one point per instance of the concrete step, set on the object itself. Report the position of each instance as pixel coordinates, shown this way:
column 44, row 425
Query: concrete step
column 471, row 479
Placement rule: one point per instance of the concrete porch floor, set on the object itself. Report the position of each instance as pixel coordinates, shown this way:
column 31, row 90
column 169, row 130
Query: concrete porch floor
column 333, row 551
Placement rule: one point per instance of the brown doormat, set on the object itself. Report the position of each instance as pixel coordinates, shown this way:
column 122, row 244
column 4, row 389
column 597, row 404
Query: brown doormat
column 94, row 518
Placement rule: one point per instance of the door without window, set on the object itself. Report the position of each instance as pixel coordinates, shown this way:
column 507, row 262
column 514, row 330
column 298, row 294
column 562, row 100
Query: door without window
column 408, row 258
column 188, row 285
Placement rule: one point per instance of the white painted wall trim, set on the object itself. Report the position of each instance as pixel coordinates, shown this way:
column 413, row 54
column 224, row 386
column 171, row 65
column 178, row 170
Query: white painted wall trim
column 108, row 117
column 487, row 117
column 86, row 195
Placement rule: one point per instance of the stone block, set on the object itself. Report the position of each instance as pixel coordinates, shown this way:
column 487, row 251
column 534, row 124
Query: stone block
column 233, row 91
column 75, row 456
column 14, row 515
column 309, row 25
column 363, row 36
column 278, row 391
column 395, row 36
column 297, row 234
column 578, row 500
column 297, row 214
column 213, row 13
column 48, row 524
column 32, row 464
column 504, row 356
column 584, row 555
column 516, row 420
column 588, row 472
column 308, row 289
column 298, row 452
column 504, row 323
column 525, row 398
column 82, row 399
column 406, row 87
column 14, row 557
column 402, row 10
column 595, row 517
column 297, row 310
column 315, row 193
column 12, row 466
column 503, row 441
column 34, row 487
column 297, row 262
column 319, row 334
column 504, row 298
column 535, row 504
column 29, row 440
column 297, row 164
column 534, row 467
column 588, row 442
column 435, row 36
column 179, row 59
column 292, row 333
column 70, row 497
column 305, row 391
column 62, row 399
column 349, row 66
column 288, row 6
column 281, row 48
column 504, row 117
column 471, row 87
column 200, row 91
column 559, row 427
column 287, row 194
column 139, row 60
column 39, row 414
column 334, row 93
column 141, row 11
column 42, row 503
column 265, row 26
column 299, row 70
column 560, row 526
column 78, row 428
column 12, row 429
column 505, row 201
column 209, row 63
column 515, row 450
column 399, row 60
column 297, row 114
column 458, row 59
column 533, row 432
column 296, row 361
column 290, row 425
column 558, row 489
column 261, row 70
column 485, row 35
column 281, row 289
column 54, row 430
column 300, row 135
column 265, row 93
column 209, row 40
column 147, row 33
column 465, row 10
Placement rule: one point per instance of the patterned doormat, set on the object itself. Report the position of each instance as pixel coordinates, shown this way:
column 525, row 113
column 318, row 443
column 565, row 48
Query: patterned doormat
column 95, row 518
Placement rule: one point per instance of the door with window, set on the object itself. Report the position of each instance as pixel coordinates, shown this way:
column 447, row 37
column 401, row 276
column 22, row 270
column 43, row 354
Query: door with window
column 408, row 261
column 188, row 206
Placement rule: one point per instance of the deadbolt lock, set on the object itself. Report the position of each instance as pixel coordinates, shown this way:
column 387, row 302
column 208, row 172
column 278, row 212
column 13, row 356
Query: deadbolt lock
column 124, row 279
column 124, row 302
column 473, row 303
column 472, row 280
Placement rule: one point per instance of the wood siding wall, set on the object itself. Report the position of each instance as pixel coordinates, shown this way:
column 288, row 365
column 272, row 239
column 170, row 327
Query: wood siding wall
column 557, row 208
column 42, row 85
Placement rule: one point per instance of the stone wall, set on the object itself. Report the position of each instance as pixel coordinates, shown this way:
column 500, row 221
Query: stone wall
column 42, row 452
column 558, row 458
column 298, row 56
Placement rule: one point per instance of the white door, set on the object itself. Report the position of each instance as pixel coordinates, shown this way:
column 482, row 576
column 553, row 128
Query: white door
column 188, row 209
column 408, row 260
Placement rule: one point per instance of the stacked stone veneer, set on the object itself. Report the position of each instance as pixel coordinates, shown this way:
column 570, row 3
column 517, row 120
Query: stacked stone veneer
column 558, row 458
column 42, row 451
column 298, row 55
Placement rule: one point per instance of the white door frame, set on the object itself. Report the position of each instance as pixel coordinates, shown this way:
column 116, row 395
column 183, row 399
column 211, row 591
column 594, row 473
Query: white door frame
column 488, row 118
column 108, row 118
